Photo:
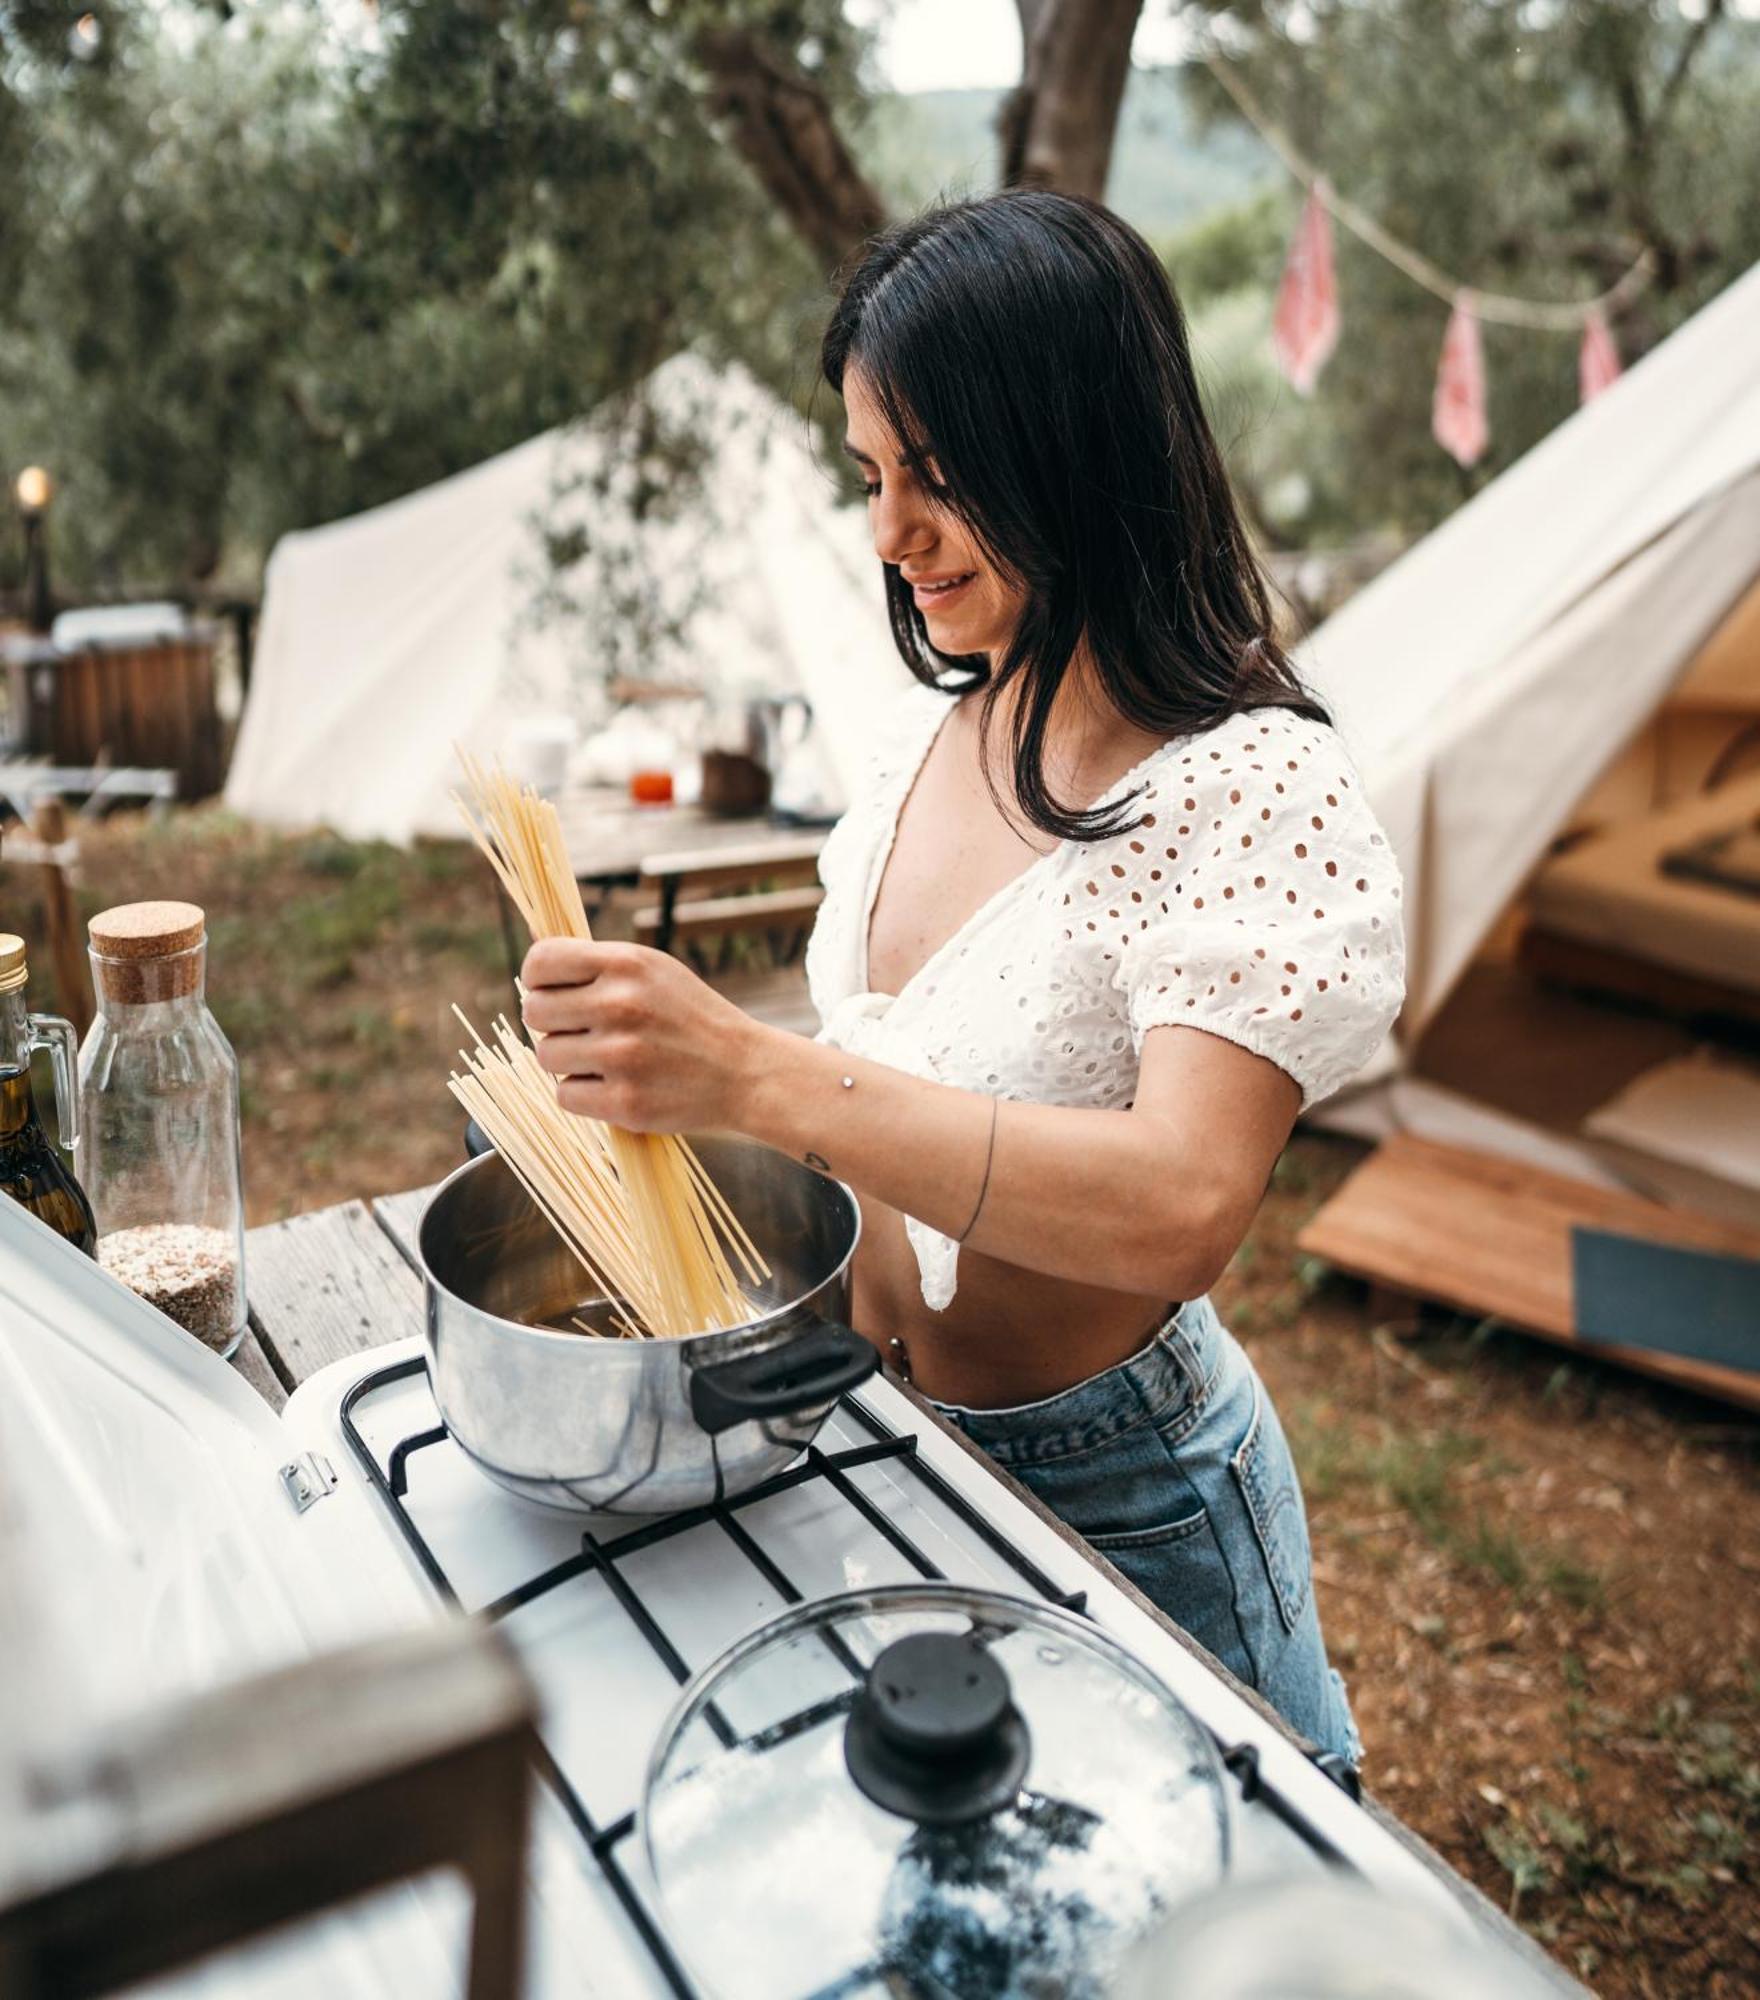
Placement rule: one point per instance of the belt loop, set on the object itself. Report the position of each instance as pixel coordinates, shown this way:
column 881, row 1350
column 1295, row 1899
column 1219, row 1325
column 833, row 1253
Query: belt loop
column 1186, row 1350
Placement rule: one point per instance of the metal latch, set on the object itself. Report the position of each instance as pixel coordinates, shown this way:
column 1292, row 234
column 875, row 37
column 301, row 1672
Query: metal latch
column 307, row 1479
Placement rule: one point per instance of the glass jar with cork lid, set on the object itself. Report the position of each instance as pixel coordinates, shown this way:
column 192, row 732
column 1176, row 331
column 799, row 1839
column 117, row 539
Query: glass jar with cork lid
column 158, row 1150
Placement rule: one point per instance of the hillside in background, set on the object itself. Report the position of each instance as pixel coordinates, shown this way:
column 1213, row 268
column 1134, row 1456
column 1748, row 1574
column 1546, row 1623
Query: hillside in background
column 1165, row 171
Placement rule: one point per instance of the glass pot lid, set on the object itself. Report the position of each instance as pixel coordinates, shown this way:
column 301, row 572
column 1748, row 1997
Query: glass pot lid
column 926, row 1791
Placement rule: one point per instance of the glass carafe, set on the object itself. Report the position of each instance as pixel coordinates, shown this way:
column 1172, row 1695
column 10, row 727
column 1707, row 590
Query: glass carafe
column 158, row 1147
column 31, row 1171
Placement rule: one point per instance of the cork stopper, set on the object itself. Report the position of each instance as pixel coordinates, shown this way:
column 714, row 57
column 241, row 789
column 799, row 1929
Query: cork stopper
column 13, row 970
column 147, row 951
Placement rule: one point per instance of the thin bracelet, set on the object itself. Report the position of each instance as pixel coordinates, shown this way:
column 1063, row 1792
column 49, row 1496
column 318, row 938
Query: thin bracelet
column 989, row 1155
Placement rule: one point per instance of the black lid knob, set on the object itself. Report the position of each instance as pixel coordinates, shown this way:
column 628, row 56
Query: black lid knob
column 934, row 1734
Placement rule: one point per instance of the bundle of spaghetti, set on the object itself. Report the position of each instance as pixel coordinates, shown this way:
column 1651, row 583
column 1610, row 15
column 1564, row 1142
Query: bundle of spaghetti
column 638, row 1210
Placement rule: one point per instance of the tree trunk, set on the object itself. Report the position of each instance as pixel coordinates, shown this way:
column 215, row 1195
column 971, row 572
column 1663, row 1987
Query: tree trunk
column 781, row 126
column 1057, row 127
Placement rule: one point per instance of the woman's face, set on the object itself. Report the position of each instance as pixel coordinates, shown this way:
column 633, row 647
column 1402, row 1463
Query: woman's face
column 966, row 604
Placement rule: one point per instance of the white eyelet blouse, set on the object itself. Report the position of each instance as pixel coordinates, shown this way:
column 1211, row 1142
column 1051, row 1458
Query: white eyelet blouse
column 1252, row 895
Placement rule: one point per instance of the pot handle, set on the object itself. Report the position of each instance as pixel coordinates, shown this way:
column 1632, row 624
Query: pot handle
column 817, row 1366
column 476, row 1141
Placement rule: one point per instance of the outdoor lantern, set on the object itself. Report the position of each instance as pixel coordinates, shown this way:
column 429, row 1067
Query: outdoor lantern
column 35, row 489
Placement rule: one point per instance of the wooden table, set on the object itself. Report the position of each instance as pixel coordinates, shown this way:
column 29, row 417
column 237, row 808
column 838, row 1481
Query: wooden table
column 609, row 838
column 614, row 843
column 336, row 1281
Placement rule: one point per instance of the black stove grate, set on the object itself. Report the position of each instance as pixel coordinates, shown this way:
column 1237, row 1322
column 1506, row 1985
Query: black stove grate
column 391, row 1482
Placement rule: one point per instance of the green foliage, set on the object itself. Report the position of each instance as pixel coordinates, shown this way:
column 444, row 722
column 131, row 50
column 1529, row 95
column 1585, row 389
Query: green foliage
column 1229, row 250
column 263, row 266
column 1423, row 1474
column 1516, row 1853
column 1526, row 150
column 1167, row 168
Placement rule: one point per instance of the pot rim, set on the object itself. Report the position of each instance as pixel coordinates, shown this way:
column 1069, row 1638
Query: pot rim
column 543, row 1336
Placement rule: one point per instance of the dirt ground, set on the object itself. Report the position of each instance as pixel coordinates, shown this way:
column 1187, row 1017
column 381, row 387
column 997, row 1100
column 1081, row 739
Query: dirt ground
column 1541, row 1577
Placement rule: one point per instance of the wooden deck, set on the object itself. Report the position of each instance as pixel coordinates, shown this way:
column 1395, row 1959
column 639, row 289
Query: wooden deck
column 1492, row 1237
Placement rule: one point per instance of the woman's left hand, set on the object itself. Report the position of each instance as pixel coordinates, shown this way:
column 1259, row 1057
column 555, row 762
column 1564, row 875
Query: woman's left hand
column 636, row 1038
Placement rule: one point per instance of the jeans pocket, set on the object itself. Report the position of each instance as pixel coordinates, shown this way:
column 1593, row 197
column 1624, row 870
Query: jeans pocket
column 1123, row 1494
column 1266, row 1477
column 1161, row 1536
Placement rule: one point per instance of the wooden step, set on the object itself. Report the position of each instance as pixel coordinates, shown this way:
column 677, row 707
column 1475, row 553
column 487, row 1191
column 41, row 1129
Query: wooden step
column 1492, row 1237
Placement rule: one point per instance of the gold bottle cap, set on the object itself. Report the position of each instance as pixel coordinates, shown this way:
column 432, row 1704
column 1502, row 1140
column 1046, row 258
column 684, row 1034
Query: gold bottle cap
column 130, row 942
column 13, row 970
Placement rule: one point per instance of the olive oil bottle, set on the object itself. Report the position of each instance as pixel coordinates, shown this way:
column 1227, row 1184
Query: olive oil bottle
column 31, row 1171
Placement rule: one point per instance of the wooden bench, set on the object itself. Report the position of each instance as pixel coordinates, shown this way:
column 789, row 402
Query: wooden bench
column 771, row 910
column 778, row 877
column 1492, row 1237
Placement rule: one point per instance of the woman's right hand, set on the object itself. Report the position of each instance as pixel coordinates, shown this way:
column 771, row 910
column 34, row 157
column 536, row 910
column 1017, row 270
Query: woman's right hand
column 636, row 1038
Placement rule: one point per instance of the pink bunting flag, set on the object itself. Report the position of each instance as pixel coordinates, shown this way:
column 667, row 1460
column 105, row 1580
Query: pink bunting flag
column 1597, row 359
column 1457, row 415
column 1304, row 323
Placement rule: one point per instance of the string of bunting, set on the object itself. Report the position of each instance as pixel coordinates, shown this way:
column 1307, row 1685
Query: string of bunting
column 1305, row 320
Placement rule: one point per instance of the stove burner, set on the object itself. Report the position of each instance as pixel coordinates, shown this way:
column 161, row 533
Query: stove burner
column 391, row 1482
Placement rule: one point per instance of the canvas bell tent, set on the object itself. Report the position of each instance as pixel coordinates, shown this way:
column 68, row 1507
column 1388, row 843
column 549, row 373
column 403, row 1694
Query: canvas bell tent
column 1530, row 667
column 390, row 637
column 1555, row 703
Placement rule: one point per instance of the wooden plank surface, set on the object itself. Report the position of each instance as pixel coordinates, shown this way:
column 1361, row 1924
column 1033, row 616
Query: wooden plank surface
column 399, row 1216
column 326, row 1285
column 254, row 1365
column 1491, row 1236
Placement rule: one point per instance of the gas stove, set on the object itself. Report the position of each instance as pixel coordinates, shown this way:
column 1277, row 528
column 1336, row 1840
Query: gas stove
column 355, row 1512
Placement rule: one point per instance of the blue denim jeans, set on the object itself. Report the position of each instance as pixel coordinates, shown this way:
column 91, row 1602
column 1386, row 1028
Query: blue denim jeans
column 1174, row 1466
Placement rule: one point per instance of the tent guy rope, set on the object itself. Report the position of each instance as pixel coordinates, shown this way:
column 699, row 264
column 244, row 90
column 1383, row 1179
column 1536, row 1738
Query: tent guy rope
column 1501, row 308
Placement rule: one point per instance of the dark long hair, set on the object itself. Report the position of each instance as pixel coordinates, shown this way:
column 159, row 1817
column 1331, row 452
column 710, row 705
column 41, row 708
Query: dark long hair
column 1029, row 354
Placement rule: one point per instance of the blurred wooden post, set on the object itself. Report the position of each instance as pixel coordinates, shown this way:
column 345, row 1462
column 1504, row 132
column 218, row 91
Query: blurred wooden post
column 171, row 1835
column 61, row 916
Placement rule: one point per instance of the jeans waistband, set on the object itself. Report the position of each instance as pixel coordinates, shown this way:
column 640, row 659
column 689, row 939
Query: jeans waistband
column 1177, row 1365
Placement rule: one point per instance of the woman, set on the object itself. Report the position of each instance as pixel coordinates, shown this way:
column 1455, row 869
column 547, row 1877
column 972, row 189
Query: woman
column 1110, row 910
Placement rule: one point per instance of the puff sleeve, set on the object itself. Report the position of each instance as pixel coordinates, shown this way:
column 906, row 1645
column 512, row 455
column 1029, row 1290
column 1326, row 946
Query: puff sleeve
column 1276, row 921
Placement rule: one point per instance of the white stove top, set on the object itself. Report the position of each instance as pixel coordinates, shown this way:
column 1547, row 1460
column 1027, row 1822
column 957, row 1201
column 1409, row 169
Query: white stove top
column 162, row 1531
column 606, row 1689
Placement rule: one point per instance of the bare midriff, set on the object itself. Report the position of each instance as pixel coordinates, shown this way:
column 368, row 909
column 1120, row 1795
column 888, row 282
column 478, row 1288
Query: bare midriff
column 1009, row 1336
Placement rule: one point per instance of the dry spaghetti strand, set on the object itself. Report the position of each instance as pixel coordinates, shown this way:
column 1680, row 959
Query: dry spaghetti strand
column 640, row 1213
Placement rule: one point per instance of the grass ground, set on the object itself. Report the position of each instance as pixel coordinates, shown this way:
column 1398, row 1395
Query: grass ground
column 1541, row 1578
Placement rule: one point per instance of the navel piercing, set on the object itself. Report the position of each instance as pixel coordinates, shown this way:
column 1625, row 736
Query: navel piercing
column 849, row 1082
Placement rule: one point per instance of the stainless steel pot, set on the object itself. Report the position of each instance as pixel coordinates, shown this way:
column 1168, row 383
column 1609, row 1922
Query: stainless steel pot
column 636, row 1426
